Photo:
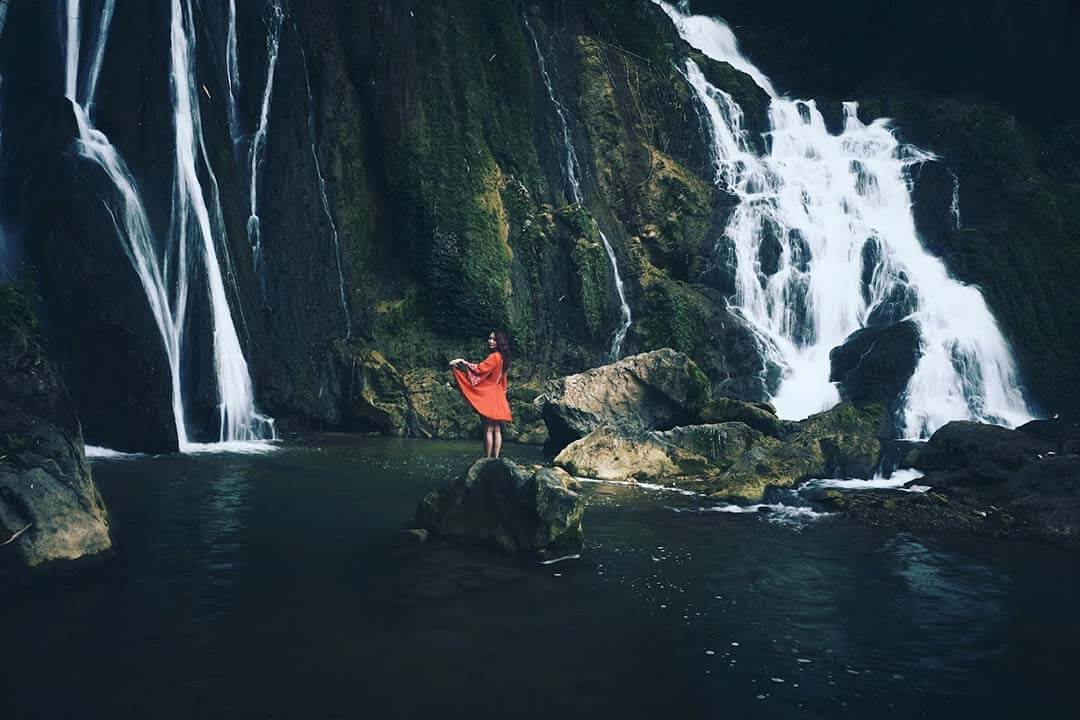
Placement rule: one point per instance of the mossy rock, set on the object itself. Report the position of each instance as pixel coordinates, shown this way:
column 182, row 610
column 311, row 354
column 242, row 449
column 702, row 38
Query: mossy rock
column 841, row 442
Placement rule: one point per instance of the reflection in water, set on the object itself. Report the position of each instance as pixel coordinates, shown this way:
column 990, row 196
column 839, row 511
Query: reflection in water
column 222, row 524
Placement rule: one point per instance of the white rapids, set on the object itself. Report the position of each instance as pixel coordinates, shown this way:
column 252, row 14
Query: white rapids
column 571, row 167
column 829, row 201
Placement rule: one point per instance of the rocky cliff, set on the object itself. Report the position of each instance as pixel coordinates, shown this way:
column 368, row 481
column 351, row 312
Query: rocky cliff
column 414, row 191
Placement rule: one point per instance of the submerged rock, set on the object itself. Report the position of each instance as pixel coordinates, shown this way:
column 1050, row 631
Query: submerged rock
column 49, row 503
column 652, row 391
column 533, row 513
column 841, row 442
column 687, row 451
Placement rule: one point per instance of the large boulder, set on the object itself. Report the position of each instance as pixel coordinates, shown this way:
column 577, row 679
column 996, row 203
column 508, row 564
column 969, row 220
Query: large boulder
column 50, row 510
column 652, row 391
column 841, row 442
column 873, row 365
column 692, row 451
column 534, row 513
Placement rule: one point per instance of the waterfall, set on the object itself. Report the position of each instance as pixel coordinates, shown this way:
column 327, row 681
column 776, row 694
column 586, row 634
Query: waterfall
column 258, row 143
column 232, row 75
column 571, row 168
column 191, row 221
column 322, row 189
column 835, row 214
column 127, row 210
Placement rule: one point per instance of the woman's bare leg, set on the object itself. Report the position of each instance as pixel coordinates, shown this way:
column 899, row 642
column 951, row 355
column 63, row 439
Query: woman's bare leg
column 489, row 438
column 498, row 438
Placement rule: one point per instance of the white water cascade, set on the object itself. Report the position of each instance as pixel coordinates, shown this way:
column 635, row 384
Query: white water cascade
column 232, row 75
column 191, row 222
column 571, row 167
column 165, row 283
column 322, row 190
column 829, row 201
column 258, row 143
column 127, row 210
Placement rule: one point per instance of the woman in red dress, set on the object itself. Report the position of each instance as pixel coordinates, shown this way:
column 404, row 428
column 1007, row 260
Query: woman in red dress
column 483, row 385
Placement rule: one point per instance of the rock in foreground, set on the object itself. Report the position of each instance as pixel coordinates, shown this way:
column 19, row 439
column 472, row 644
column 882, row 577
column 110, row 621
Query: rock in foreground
column 652, row 391
column 841, row 442
column 534, row 513
column 986, row 480
column 47, row 496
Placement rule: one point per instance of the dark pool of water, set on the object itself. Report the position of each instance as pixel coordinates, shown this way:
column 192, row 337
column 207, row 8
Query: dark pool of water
column 273, row 586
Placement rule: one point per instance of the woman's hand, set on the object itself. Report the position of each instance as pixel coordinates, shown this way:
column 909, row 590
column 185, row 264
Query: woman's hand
column 457, row 361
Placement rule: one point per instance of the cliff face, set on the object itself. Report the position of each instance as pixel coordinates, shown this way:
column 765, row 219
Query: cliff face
column 414, row 193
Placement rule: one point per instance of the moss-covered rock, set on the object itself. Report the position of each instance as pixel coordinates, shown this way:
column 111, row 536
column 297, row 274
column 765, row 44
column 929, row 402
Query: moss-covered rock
column 51, row 512
column 841, row 442
column 534, row 513
column 692, row 451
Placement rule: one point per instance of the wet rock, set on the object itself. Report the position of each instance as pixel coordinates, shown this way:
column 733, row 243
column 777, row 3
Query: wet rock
column 377, row 397
column 931, row 197
column 841, row 442
column 687, row 451
column 652, row 391
column 873, row 365
column 986, row 480
column 760, row 416
column 533, row 513
column 47, row 494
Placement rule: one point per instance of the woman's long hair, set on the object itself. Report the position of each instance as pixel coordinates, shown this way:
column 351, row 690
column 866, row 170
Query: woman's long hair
column 502, row 346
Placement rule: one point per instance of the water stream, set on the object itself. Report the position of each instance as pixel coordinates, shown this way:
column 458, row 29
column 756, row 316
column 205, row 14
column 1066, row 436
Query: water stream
column 572, row 170
column 835, row 211
column 258, row 144
column 338, row 259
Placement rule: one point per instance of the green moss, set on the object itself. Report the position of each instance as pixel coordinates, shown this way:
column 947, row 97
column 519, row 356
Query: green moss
column 674, row 316
column 471, row 132
column 16, row 308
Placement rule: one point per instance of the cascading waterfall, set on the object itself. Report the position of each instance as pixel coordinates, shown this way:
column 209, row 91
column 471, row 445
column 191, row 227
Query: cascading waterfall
column 239, row 419
column 127, row 210
column 191, row 220
column 837, row 211
column 322, row 189
column 571, row 168
column 258, row 143
column 232, row 75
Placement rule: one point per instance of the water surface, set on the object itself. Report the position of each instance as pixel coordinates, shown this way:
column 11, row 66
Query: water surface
column 274, row 586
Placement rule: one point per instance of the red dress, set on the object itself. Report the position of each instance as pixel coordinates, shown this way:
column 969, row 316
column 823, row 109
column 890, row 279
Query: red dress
column 484, row 387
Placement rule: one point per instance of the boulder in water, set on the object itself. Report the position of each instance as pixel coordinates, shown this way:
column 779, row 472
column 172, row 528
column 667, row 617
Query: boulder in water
column 534, row 513
column 50, row 510
column 841, row 442
column 985, row 480
column 694, row 451
column 652, row 391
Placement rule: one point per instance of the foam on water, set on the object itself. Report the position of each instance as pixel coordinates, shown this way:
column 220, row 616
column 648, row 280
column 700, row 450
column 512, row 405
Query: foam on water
column 896, row 481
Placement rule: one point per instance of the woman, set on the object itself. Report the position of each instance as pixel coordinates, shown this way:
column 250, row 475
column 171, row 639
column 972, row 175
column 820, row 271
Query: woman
column 483, row 386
